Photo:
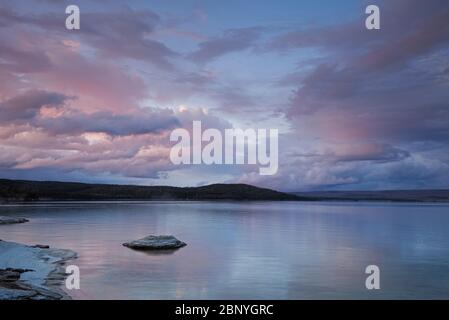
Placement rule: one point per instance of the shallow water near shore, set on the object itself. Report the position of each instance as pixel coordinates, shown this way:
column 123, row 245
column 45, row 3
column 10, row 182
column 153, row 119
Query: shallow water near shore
column 246, row 250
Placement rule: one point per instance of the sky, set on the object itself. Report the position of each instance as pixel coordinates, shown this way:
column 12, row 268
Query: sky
column 356, row 109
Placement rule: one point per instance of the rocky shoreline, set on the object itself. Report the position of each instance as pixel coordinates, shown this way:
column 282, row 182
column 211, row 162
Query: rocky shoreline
column 32, row 272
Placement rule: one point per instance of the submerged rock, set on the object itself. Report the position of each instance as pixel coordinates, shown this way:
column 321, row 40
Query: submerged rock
column 11, row 274
column 155, row 243
column 41, row 246
column 11, row 220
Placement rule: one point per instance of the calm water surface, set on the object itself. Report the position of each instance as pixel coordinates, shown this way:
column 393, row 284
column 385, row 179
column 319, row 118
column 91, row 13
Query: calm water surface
column 252, row 250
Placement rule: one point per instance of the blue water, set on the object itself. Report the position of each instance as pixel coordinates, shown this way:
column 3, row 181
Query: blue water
column 247, row 250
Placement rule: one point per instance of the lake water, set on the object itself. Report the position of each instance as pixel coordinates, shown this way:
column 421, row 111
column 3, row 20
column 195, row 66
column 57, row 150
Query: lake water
column 247, row 250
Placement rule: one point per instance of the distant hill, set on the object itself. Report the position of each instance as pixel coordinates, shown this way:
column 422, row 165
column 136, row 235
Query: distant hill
column 18, row 190
column 387, row 195
column 21, row 190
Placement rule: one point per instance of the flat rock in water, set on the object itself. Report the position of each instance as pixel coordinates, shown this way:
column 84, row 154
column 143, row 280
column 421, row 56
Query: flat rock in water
column 41, row 246
column 155, row 243
column 11, row 220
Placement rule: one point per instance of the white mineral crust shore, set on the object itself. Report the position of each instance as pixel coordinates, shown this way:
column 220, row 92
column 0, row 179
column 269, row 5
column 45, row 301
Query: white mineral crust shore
column 46, row 277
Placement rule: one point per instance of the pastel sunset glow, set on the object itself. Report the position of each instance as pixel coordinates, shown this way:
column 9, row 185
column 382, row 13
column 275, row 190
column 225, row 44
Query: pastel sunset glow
column 356, row 109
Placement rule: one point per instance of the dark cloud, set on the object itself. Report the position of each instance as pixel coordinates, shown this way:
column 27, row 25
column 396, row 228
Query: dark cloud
column 230, row 41
column 22, row 61
column 373, row 152
column 27, row 105
column 125, row 33
column 387, row 88
column 196, row 79
column 373, row 109
column 26, row 108
column 407, row 28
column 8, row 17
column 153, row 121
